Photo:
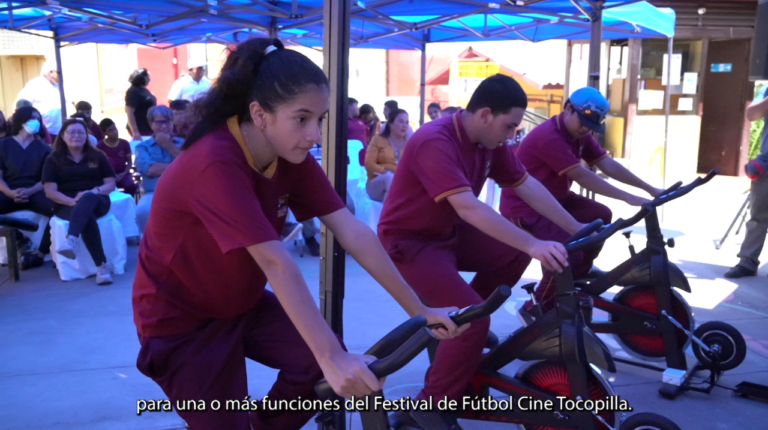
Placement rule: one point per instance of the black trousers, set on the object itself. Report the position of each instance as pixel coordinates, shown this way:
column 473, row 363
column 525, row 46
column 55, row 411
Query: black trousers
column 39, row 204
column 82, row 222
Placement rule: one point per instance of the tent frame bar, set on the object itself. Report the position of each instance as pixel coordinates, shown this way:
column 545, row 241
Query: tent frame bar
column 221, row 13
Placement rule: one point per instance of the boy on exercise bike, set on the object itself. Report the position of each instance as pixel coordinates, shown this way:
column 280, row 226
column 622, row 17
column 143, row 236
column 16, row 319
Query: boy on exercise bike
column 553, row 153
column 433, row 226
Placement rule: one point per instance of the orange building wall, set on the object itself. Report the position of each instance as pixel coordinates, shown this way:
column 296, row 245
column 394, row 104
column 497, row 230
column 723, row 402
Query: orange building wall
column 162, row 71
column 403, row 70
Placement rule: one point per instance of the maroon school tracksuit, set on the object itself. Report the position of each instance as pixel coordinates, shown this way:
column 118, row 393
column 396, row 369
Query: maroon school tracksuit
column 549, row 152
column 430, row 244
column 199, row 298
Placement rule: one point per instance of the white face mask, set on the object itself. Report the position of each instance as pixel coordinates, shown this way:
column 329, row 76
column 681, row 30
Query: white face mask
column 32, row 126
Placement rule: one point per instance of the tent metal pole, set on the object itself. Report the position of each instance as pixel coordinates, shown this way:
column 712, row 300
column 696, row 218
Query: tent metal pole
column 423, row 84
column 336, row 17
column 667, row 102
column 62, row 99
column 273, row 31
column 595, row 45
column 568, row 62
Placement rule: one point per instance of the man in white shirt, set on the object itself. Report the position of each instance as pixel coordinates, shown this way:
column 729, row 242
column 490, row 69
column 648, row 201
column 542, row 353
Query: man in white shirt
column 192, row 85
column 43, row 92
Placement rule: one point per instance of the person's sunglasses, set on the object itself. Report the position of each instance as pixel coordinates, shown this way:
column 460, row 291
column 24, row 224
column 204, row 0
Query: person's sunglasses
column 591, row 115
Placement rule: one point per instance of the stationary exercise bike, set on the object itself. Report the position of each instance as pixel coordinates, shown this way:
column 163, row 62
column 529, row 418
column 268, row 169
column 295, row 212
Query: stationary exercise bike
column 393, row 352
column 651, row 320
column 564, row 355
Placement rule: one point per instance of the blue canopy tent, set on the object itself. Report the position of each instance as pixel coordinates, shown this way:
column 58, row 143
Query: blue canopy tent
column 383, row 24
column 337, row 25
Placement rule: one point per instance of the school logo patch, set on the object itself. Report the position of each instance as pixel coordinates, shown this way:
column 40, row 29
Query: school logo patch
column 282, row 206
column 93, row 164
column 121, row 154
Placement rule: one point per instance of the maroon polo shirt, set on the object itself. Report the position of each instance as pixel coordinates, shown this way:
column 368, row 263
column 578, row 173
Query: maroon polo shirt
column 357, row 130
column 119, row 156
column 549, row 152
column 438, row 161
column 210, row 204
column 96, row 131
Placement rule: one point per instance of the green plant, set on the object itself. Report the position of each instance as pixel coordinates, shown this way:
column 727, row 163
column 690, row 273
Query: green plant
column 756, row 133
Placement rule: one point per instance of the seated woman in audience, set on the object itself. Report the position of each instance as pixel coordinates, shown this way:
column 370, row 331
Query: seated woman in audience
column 42, row 133
column 368, row 115
column 153, row 156
column 119, row 153
column 78, row 178
column 434, row 111
column 21, row 169
column 383, row 154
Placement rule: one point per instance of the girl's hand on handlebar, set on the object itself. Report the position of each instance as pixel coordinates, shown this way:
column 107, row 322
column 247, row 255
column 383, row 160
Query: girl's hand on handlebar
column 440, row 316
column 551, row 254
column 656, row 192
column 637, row 201
column 349, row 375
column 580, row 228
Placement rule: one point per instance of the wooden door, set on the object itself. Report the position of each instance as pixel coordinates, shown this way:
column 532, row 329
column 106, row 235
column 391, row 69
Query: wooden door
column 15, row 72
column 722, row 122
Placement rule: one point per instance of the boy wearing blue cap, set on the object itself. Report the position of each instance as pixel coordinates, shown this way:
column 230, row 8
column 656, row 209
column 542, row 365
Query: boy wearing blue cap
column 553, row 154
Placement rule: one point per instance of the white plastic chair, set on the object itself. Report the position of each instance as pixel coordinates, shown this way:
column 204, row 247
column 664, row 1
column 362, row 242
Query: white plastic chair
column 298, row 236
column 354, row 170
column 123, row 207
column 112, row 239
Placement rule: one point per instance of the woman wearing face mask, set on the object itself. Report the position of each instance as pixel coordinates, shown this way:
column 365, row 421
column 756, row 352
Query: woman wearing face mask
column 79, row 178
column 213, row 241
column 21, row 168
column 383, row 153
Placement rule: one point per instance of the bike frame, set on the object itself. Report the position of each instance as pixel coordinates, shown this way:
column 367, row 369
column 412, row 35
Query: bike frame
column 560, row 336
column 659, row 274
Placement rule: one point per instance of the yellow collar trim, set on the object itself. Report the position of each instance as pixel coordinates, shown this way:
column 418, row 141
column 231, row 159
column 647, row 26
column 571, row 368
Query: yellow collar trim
column 456, row 124
column 234, row 128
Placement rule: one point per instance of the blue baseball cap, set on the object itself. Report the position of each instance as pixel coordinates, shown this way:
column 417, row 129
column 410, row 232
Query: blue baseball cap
column 592, row 107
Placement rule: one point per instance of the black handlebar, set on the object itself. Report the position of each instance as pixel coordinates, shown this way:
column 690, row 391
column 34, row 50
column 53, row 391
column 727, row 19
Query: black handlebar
column 406, row 341
column 586, row 231
column 666, row 197
column 591, row 241
column 675, row 186
column 582, row 240
column 17, row 223
column 389, row 343
column 475, row 312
